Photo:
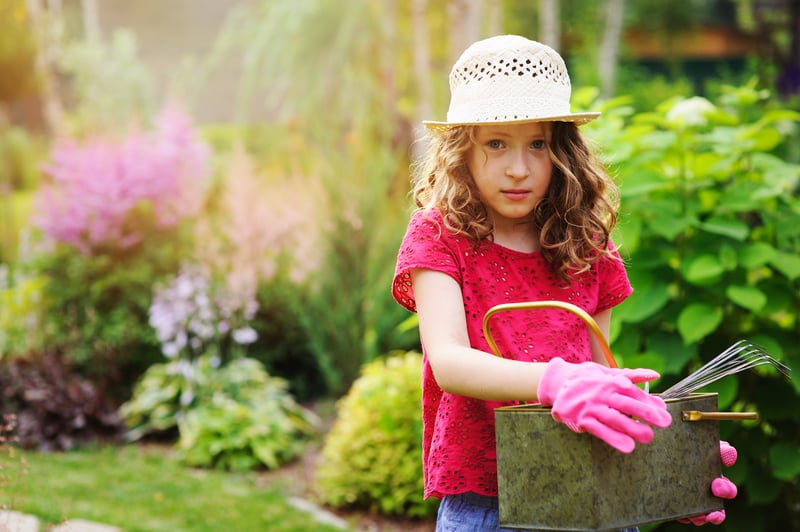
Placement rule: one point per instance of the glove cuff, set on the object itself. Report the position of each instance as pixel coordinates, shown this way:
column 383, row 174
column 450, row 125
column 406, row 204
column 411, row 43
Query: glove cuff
column 555, row 373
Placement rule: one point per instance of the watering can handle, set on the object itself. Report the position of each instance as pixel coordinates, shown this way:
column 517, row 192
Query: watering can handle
column 569, row 307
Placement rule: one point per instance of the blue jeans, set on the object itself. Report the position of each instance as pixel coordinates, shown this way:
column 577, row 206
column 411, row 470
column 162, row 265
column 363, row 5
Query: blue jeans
column 470, row 512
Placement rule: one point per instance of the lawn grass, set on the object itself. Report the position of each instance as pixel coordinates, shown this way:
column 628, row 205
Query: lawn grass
column 143, row 488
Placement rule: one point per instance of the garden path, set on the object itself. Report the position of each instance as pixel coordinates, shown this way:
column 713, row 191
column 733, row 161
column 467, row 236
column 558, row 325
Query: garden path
column 11, row 521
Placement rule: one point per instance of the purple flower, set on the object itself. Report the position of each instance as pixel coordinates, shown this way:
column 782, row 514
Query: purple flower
column 192, row 315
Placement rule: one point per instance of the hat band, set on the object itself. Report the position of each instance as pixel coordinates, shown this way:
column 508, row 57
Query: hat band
column 498, row 110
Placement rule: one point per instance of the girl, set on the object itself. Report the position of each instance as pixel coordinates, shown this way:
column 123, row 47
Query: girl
column 513, row 206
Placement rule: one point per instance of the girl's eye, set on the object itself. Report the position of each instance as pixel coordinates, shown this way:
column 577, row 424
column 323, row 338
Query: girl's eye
column 538, row 144
column 495, row 144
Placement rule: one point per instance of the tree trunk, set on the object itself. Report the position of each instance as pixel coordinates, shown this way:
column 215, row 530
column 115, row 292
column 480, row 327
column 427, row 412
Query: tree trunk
column 495, row 18
column 91, row 20
column 422, row 73
column 45, row 51
column 609, row 47
column 387, row 65
column 549, row 27
column 465, row 24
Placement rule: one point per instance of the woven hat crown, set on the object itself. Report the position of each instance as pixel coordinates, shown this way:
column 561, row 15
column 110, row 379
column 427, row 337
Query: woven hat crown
column 508, row 79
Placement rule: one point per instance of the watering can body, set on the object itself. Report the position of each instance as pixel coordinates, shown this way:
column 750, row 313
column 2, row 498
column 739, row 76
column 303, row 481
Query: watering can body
column 551, row 478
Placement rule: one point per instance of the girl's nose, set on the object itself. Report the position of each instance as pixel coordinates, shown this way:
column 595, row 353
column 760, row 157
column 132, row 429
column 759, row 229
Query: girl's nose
column 518, row 166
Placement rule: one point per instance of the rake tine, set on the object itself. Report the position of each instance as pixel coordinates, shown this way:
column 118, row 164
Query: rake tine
column 738, row 357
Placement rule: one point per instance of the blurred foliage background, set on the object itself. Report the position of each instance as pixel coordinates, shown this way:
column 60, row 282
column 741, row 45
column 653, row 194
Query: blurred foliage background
column 204, row 199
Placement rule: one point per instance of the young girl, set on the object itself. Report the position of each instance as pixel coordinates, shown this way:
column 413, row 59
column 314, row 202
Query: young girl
column 513, row 207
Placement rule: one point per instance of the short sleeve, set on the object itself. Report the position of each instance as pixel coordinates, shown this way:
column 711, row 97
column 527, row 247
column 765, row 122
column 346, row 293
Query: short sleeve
column 428, row 245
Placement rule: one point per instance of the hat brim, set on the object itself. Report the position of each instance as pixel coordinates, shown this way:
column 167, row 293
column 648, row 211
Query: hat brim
column 577, row 118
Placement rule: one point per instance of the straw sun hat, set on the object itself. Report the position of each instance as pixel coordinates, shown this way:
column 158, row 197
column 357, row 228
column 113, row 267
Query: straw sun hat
column 509, row 79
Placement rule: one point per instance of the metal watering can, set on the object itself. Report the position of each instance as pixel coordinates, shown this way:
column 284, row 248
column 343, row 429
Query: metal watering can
column 551, row 478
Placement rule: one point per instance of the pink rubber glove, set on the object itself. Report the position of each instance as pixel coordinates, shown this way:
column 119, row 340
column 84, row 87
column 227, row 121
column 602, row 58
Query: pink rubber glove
column 720, row 487
column 603, row 401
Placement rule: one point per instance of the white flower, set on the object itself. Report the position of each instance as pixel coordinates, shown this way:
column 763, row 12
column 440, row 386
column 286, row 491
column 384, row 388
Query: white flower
column 691, row 112
column 187, row 396
column 245, row 335
column 186, row 369
column 181, row 339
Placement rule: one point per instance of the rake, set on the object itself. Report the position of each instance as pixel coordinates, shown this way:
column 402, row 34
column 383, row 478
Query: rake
column 740, row 356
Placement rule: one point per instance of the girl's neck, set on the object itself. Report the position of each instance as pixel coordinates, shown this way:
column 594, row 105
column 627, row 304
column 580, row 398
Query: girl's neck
column 521, row 237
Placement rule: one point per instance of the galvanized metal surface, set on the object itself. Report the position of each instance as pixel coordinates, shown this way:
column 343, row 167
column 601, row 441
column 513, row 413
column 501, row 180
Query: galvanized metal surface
column 551, row 478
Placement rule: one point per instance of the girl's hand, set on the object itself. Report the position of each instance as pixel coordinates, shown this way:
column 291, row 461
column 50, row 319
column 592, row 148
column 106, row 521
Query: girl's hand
column 603, row 401
column 720, row 487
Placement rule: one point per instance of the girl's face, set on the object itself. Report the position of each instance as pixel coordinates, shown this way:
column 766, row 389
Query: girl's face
column 511, row 167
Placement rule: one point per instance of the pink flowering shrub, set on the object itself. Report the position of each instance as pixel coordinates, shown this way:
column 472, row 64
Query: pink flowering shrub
column 114, row 215
column 100, row 187
column 260, row 220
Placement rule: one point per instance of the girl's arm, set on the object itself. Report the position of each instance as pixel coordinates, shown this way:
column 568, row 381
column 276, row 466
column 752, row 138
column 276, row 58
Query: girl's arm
column 603, row 320
column 458, row 368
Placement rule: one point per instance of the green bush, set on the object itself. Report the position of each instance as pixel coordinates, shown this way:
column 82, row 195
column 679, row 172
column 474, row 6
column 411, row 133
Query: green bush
column 155, row 406
column 372, row 457
column 233, row 417
column 710, row 229
column 247, row 420
column 96, row 308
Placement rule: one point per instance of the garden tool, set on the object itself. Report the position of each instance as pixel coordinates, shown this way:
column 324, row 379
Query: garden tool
column 740, row 356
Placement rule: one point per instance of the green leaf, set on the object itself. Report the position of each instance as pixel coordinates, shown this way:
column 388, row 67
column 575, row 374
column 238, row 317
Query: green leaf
column 627, row 235
column 646, row 360
column 731, row 228
column 756, row 254
column 739, row 197
column 669, row 226
column 644, row 302
column 779, row 115
column 762, row 139
column 703, row 269
column 642, row 183
column 748, row 297
column 697, row 320
column 671, row 349
column 770, row 345
column 727, row 257
column 785, row 460
column 727, row 389
column 787, row 263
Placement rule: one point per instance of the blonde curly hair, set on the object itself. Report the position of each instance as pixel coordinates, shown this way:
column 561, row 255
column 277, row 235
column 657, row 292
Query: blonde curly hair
column 574, row 219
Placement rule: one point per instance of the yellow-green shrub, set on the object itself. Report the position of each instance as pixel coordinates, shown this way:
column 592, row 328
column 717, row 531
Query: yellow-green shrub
column 372, row 457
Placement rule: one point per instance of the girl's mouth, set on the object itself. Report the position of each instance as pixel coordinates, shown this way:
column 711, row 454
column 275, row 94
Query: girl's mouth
column 515, row 195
